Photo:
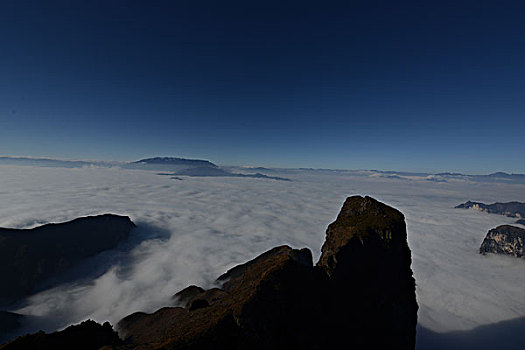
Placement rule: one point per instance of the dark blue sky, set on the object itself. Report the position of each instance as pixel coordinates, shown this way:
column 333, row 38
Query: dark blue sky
column 405, row 85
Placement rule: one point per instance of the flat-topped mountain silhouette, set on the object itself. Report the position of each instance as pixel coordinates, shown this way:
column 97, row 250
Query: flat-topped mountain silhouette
column 191, row 167
column 176, row 161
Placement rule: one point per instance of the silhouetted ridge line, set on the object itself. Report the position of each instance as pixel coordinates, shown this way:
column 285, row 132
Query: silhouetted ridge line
column 175, row 161
column 360, row 294
column 30, row 256
column 87, row 335
column 511, row 209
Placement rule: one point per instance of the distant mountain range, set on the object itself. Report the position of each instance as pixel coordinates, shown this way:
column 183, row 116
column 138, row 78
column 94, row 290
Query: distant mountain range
column 51, row 163
column 200, row 167
column 497, row 177
column 218, row 172
column 176, row 162
column 192, row 167
column 168, row 164
column 511, row 209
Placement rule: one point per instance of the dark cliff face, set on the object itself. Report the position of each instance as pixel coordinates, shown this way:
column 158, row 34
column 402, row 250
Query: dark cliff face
column 29, row 257
column 504, row 239
column 263, row 304
column 361, row 295
column 368, row 260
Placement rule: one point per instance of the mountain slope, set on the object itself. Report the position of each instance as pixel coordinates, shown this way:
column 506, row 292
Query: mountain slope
column 30, row 256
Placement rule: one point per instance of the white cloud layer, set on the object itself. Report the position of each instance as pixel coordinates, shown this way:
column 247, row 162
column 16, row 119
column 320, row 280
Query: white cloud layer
column 211, row 224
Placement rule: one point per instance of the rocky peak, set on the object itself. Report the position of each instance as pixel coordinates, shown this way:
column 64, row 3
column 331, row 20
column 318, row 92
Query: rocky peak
column 363, row 221
column 504, row 239
column 361, row 294
column 368, row 260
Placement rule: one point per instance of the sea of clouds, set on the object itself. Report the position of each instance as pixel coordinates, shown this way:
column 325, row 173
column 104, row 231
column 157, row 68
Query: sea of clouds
column 192, row 230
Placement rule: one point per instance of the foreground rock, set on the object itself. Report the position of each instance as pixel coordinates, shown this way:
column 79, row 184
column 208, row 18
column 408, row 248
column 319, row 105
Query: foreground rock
column 29, row 257
column 361, row 294
column 86, row 336
column 504, row 239
column 9, row 322
column 368, row 260
column 512, row 209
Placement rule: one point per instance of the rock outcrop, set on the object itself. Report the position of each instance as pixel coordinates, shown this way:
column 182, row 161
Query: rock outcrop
column 368, row 260
column 360, row 295
column 504, row 239
column 30, row 256
column 267, row 303
column 87, row 335
column 512, row 209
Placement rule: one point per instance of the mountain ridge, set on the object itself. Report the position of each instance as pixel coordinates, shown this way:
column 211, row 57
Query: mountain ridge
column 511, row 209
column 30, row 256
column 281, row 299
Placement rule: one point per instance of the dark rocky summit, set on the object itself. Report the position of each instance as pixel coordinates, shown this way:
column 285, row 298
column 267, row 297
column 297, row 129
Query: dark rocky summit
column 30, row 256
column 367, row 259
column 87, row 335
column 512, row 209
column 504, row 239
column 360, row 295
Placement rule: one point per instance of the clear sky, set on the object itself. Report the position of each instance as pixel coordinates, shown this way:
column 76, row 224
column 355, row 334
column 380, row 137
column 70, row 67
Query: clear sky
column 404, row 85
